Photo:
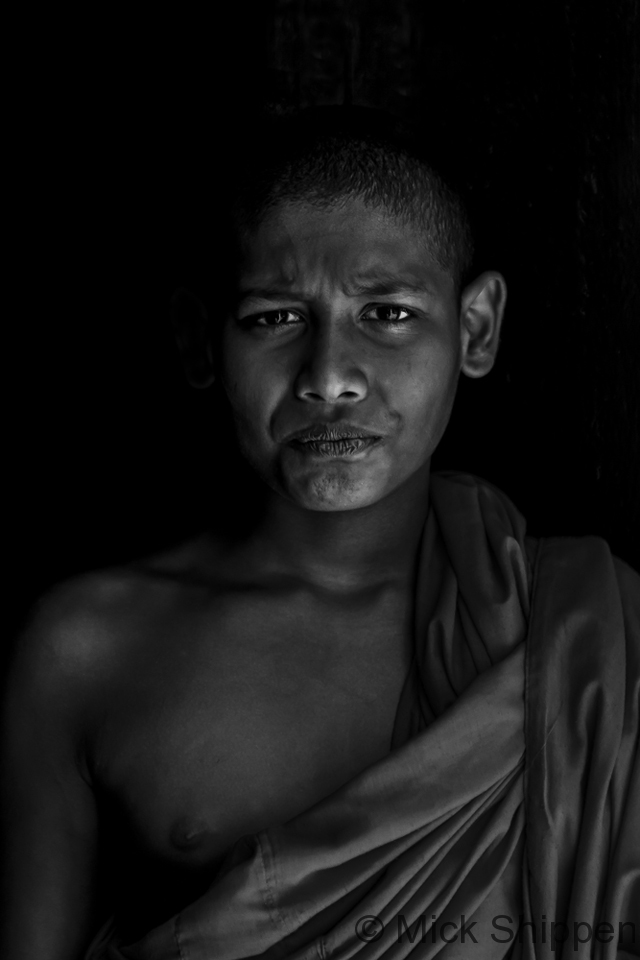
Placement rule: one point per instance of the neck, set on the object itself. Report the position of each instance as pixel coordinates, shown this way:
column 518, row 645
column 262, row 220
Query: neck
column 348, row 550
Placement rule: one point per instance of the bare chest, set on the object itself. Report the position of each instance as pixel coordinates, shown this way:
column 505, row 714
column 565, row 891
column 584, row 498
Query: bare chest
column 243, row 716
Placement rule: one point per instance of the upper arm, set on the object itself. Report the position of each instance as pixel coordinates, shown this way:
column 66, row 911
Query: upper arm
column 48, row 809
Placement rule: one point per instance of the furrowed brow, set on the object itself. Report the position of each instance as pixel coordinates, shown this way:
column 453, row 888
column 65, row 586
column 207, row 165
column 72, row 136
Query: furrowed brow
column 376, row 286
column 270, row 293
column 389, row 287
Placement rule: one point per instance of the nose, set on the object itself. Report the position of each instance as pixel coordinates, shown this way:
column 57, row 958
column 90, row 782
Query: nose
column 330, row 371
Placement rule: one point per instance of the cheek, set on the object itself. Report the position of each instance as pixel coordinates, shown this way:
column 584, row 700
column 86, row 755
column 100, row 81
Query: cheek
column 253, row 387
column 427, row 386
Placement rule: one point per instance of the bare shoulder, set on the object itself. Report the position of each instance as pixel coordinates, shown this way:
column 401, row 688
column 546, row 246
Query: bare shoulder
column 80, row 631
column 74, row 626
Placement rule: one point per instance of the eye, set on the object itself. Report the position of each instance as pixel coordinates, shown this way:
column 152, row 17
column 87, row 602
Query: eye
column 388, row 313
column 276, row 319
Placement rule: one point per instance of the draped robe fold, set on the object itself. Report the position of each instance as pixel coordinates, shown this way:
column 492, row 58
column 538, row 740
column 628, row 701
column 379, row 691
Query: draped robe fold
column 512, row 788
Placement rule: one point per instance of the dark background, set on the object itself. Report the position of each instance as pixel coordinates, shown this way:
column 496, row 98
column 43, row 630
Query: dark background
column 119, row 122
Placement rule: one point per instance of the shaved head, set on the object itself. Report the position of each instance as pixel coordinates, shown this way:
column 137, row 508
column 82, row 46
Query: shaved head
column 328, row 156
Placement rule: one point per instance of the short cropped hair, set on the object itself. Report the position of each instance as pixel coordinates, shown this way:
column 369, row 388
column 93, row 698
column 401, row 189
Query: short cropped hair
column 327, row 155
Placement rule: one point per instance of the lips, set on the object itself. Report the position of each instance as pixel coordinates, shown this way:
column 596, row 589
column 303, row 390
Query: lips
column 333, row 439
column 331, row 433
column 338, row 448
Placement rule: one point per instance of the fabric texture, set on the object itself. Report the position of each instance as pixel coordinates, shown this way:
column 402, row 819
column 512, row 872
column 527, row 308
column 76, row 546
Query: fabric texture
column 582, row 780
column 516, row 642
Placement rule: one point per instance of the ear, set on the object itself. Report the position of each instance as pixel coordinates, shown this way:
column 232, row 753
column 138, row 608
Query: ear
column 193, row 335
column 481, row 312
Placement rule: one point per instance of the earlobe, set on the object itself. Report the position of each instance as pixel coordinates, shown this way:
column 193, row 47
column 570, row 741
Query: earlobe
column 192, row 331
column 482, row 308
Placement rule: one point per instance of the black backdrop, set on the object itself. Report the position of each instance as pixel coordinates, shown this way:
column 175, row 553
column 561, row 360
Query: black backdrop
column 109, row 454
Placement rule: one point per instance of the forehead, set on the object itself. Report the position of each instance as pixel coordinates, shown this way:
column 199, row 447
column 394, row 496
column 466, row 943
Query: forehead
column 344, row 243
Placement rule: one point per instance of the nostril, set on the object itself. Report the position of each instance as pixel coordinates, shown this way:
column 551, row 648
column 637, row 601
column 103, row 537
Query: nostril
column 329, row 396
column 330, row 382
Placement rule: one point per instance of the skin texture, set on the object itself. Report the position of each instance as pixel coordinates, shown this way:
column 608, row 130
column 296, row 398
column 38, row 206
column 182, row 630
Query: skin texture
column 313, row 338
column 167, row 709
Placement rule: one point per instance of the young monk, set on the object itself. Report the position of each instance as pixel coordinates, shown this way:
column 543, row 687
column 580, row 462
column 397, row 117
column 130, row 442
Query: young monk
column 379, row 721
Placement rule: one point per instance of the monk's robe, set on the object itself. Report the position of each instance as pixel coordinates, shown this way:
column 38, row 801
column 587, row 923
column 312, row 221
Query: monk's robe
column 504, row 821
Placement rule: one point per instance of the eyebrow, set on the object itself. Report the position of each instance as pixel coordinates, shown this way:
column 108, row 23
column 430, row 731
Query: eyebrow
column 377, row 286
column 270, row 293
column 385, row 286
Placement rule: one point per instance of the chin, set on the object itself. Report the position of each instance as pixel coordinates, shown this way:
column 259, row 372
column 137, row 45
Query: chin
column 334, row 489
